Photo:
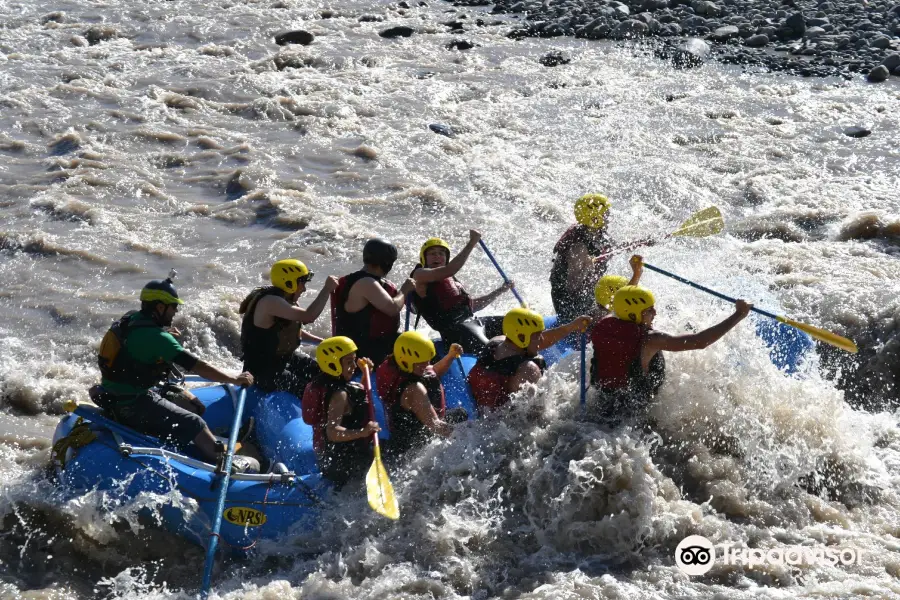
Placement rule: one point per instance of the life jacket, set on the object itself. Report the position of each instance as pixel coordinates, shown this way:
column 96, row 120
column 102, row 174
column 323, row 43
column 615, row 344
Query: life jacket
column 582, row 301
column 406, row 429
column 446, row 303
column 116, row 363
column 616, row 364
column 314, row 408
column 490, row 377
column 267, row 350
column 372, row 330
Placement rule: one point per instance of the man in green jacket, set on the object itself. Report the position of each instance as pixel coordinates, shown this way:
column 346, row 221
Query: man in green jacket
column 135, row 357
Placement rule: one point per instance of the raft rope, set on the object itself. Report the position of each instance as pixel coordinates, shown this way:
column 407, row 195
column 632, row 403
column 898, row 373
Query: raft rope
column 81, row 435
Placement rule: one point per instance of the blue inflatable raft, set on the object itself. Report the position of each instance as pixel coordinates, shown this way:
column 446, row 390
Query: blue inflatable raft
column 126, row 464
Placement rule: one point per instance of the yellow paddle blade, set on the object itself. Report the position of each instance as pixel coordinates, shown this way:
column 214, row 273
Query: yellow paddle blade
column 823, row 336
column 379, row 489
column 703, row 223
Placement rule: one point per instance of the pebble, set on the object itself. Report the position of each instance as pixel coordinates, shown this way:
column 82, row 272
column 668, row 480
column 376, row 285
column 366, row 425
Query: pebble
column 301, row 37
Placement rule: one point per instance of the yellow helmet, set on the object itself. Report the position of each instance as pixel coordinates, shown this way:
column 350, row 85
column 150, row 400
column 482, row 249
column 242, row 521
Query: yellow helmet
column 607, row 287
column 330, row 352
column 412, row 348
column 286, row 273
column 630, row 301
column 520, row 324
column 590, row 210
column 433, row 243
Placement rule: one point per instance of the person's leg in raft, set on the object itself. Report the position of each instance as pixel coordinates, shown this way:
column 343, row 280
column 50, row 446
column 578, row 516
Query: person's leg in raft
column 493, row 326
column 299, row 371
column 469, row 334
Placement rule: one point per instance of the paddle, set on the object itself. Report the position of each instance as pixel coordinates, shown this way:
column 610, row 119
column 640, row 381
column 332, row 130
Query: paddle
column 502, row 274
column 583, row 362
column 702, row 223
column 819, row 334
column 223, row 491
column 378, row 485
column 408, row 303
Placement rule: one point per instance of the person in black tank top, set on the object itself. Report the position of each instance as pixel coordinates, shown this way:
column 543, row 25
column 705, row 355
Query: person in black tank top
column 272, row 328
column 580, row 258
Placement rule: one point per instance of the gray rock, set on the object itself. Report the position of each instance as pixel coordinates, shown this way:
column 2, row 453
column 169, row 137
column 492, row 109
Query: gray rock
column 723, row 34
column 816, row 22
column 693, row 52
column 796, row 23
column 891, row 61
column 882, row 41
column 622, row 11
column 757, row 41
column 815, row 32
column 460, row 45
column 554, row 59
column 395, row 32
column 896, row 72
column 444, row 130
column 857, row 132
column 630, row 29
column 304, row 38
column 371, row 19
column 878, row 74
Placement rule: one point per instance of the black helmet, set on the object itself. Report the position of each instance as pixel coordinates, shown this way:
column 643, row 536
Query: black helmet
column 161, row 291
column 380, row 253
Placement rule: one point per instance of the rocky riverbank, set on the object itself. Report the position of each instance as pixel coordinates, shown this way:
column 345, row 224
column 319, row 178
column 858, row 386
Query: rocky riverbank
column 810, row 37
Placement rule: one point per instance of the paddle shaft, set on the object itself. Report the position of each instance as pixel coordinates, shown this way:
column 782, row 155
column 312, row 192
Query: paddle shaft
column 367, row 384
column 583, row 363
column 223, row 491
column 707, row 290
column 500, row 270
column 408, row 304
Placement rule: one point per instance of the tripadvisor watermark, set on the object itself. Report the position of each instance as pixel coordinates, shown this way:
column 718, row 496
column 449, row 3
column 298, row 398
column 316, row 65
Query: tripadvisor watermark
column 696, row 555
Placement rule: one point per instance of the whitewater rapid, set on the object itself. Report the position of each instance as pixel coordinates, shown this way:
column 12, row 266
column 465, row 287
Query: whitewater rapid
column 186, row 138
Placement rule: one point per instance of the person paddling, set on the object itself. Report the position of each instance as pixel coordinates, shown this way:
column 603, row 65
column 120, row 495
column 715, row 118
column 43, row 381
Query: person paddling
column 628, row 366
column 444, row 303
column 367, row 306
column 412, row 392
column 580, row 257
column 511, row 360
column 272, row 328
column 136, row 355
column 338, row 411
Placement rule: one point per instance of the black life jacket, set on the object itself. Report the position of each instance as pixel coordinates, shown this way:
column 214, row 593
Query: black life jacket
column 116, row 363
column 267, row 351
column 314, row 409
column 373, row 331
column 446, row 303
column 490, row 377
column 582, row 301
column 406, row 430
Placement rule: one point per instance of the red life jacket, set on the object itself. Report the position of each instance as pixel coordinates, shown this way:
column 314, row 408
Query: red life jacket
column 371, row 329
column 406, row 430
column 490, row 377
column 314, row 406
column 617, row 344
column 446, row 303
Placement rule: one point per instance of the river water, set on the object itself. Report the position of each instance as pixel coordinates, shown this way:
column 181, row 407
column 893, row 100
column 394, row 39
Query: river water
column 184, row 138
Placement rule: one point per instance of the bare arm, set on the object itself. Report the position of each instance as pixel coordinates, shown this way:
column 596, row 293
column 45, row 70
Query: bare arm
column 307, row 336
column 550, row 337
column 424, row 275
column 484, row 301
column 637, row 269
column 442, row 366
column 416, row 399
column 657, row 341
column 372, row 291
column 334, row 431
column 207, row 371
column 279, row 307
column 581, row 266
